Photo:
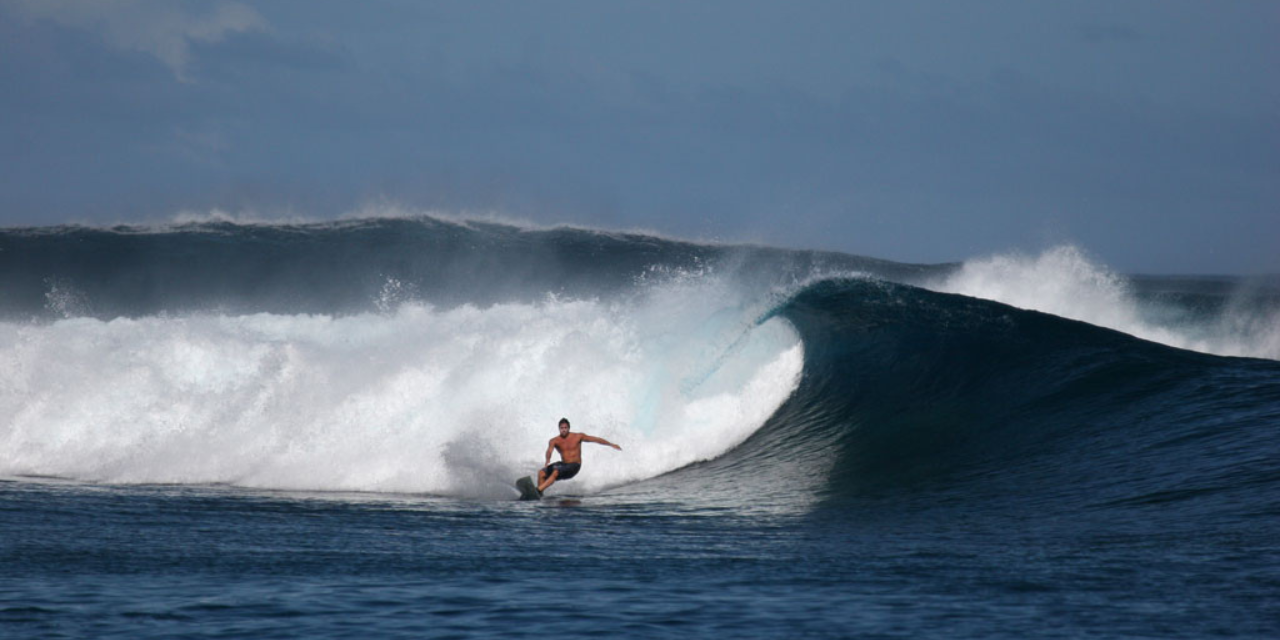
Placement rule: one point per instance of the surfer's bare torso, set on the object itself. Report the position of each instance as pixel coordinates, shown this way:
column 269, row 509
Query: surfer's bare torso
column 570, row 447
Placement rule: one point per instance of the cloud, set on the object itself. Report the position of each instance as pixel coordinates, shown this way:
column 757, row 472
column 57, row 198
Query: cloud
column 155, row 27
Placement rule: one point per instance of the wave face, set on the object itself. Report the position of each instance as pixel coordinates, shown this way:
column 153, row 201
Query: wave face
column 966, row 395
column 420, row 355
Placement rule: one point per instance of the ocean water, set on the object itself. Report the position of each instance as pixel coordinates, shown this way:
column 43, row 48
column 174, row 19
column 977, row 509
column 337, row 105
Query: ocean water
column 222, row 429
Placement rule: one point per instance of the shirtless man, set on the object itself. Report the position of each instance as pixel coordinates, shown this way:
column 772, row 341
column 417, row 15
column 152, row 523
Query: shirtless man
column 570, row 447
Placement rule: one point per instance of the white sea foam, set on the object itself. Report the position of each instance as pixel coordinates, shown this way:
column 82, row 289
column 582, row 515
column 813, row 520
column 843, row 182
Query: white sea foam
column 416, row 399
column 1065, row 282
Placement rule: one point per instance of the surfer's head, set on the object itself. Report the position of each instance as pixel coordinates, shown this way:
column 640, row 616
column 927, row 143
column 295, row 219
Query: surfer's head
column 564, row 426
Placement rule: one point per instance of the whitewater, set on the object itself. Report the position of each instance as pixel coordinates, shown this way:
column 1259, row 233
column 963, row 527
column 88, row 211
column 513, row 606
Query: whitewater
column 448, row 402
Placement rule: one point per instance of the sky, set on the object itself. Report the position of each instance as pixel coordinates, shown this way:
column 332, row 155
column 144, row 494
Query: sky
column 1146, row 133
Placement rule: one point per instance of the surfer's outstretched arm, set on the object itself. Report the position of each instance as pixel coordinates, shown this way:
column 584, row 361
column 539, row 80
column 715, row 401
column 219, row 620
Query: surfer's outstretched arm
column 600, row 441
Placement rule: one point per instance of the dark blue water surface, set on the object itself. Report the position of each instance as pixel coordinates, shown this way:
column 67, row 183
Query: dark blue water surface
column 945, row 467
column 165, row 562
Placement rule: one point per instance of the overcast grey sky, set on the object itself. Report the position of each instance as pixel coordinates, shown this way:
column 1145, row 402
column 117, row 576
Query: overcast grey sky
column 1147, row 133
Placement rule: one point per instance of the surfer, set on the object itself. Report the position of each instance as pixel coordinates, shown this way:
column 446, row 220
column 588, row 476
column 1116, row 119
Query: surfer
column 570, row 447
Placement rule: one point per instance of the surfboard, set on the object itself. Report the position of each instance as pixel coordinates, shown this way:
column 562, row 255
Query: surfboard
column 528, row 491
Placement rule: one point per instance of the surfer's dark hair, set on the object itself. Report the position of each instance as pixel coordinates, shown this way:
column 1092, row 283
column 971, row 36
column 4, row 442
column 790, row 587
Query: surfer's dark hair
column 564, row 421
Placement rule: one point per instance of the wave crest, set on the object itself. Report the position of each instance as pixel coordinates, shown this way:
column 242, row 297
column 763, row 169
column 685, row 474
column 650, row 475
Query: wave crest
column 1066, row 282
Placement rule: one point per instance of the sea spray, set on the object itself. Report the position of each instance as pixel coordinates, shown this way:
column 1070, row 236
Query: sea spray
column 1066, row 282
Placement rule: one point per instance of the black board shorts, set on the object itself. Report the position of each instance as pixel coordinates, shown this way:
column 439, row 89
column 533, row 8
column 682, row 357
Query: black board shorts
column 567, row 469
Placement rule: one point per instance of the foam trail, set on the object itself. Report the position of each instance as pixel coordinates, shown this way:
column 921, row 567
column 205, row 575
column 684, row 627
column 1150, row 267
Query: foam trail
column 450, row 402
column 1063, row 281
